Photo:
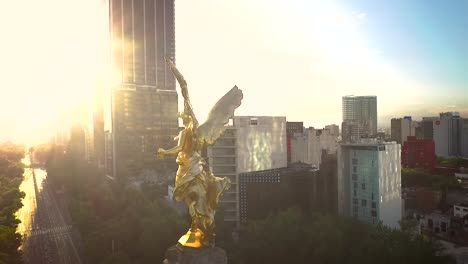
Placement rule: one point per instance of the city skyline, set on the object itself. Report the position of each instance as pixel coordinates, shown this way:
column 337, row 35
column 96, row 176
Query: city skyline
column 294, row 59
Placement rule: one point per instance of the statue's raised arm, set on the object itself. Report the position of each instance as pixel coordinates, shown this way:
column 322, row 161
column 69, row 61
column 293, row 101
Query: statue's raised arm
column 188, row 109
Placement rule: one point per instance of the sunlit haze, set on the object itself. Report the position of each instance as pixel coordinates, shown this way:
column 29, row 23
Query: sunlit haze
column 290, row 58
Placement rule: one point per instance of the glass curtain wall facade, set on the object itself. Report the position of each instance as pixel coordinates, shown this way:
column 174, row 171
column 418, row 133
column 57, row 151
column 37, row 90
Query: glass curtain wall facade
column 359, row 117
column 144, row 99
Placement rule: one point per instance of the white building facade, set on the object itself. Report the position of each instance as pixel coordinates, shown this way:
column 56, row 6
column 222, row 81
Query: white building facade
column 451, row 135
column 307, row 147
column 402, row 128
column 261, row 143
column 251, row 143
column 369, row 181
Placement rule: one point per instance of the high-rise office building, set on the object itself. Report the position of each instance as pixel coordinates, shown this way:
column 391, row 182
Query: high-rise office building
column 369, row 181
column 222, row 157
column 98, row 126
column 359, row 117
column 464, row 138
column 451, row 135
column 144, row 99
column 291, row 129
column 142, row 34
column 401, row 128
column 425, row 130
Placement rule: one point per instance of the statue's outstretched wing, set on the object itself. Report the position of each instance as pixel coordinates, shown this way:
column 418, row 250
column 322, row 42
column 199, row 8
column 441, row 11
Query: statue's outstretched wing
column 188, row 109
column 218, row 117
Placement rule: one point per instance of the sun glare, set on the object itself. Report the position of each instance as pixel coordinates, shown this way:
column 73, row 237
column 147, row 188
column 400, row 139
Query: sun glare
column 53, row 58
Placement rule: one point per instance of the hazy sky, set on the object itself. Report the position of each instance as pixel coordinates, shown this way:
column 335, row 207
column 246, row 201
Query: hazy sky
column 294, row 58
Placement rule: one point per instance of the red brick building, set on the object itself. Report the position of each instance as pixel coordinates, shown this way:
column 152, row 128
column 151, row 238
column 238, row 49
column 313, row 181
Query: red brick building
column 418, row 153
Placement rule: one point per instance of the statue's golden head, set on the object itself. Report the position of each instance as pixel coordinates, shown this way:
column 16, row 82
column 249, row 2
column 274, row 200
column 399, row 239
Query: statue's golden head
column 186, row 119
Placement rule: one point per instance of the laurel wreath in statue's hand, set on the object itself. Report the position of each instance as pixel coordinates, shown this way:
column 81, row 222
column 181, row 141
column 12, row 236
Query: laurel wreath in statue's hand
column 161, row 153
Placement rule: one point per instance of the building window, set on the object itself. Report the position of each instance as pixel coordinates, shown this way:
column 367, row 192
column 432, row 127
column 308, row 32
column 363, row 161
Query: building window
column 355, row 201
column 354, row 161
column 355, row 185
column 354, row 169
column 443, row 226
column 374, row 213
column 363, row 186
column 355, row 193
column 354, row 177
column 374, row 205
column 364, row 202
column 355, row 209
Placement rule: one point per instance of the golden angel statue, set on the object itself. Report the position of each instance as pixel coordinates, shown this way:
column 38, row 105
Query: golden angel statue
column 195, row 184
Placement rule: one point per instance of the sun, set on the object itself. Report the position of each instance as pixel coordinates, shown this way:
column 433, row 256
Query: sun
column 51, row 60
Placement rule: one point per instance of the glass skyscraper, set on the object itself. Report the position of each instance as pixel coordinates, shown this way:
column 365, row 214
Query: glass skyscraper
column 359, row 117
column 144, row 97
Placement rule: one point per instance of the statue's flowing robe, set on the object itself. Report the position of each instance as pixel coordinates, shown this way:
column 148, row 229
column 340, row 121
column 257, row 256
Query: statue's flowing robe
column 197, row 187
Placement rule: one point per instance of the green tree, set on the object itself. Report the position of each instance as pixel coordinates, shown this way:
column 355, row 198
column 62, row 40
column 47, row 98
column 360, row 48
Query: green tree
column 290, row 237
column 117, row 221
column 11, row 173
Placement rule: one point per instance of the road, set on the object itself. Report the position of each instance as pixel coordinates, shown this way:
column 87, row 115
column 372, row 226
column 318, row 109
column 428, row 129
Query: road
column 49, row 237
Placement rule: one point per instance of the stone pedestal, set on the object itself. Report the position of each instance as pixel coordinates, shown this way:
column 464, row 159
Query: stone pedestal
column 179, row 254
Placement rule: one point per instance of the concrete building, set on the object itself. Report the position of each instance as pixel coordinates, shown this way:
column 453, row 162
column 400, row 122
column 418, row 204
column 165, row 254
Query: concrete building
column 300, row 147
column 450, row 135
column 425, row 130
column 307, row 147
column 359, row 117
column 144, row 99
column 291, row 129
column 222, row 158
column 464, row 138
column 98, row 125
column 460, row 210
column 435, row 222
column 108, row 154
column 251, row 143
column 299, row 185
column 334, row 129
column 401, row 128
column 78, row 145
column 369, row 181
column 269, row 191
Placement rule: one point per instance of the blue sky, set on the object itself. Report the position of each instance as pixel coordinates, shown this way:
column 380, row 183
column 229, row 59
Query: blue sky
column 426, row 38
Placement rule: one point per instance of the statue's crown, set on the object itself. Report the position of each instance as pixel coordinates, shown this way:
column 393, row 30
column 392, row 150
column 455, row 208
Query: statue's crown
column 183, row 115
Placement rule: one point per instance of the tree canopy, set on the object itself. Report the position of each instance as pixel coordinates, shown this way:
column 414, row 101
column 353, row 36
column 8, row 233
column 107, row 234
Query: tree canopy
column 455, row 162
column 290, row 237
column 119, row 223
column 11, row 175
column 422, row 178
